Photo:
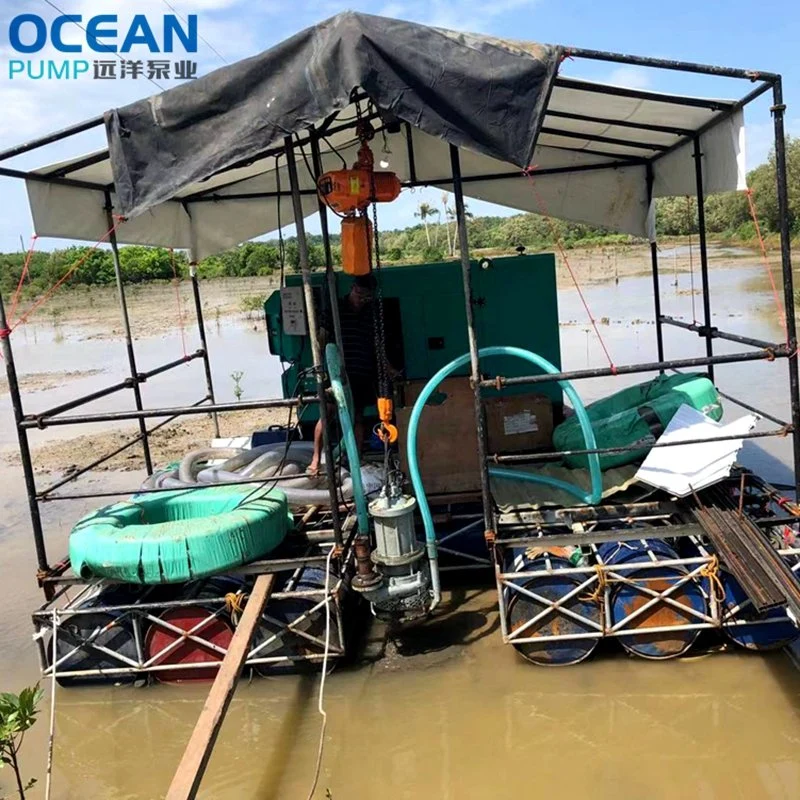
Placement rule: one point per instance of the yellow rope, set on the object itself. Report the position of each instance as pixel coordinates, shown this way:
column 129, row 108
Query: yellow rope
column 599, row 592
column 711, row 571
column 234, row 603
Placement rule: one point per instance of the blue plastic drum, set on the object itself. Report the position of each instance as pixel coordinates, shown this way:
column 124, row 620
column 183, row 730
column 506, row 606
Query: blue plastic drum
column 747, row 627
column 625, row 599
column 521, row 609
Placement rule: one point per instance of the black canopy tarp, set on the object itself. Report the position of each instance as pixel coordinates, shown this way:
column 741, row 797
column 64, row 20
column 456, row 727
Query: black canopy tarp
column 478, row 92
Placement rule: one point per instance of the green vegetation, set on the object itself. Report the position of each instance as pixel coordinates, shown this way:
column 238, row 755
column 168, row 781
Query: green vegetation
column 434, row 238
column 238, row 391
column 17, row 715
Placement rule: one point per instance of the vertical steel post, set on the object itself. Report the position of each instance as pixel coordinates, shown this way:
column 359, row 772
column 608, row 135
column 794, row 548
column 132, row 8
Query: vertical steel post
column 330, row 277
column 201, row 329
column 316, row 351
column 778, row 109
column 475, row 373
column 126, row 325
column 701, row 225
column 22, row 437
column 654, row 262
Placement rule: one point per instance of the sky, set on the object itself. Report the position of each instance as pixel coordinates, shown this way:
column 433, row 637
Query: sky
column 726, row 32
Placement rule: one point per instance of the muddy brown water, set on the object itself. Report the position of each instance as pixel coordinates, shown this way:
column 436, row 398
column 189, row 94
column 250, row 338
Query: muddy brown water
column 445, row 710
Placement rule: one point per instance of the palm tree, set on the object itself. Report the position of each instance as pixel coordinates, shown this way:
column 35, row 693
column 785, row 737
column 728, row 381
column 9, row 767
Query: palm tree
column 447, row 223
column 451, row 215
column 424, row 211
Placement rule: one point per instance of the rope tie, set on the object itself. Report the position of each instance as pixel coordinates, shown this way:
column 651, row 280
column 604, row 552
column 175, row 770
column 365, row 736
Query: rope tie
column 711, row 571
column 599, row 592
column 234, row 604
column 528, row 173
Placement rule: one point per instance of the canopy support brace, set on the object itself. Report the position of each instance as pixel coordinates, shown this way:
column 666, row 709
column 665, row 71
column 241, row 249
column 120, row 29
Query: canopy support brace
column 475, row 371
column 701, row 224
column 313, row 335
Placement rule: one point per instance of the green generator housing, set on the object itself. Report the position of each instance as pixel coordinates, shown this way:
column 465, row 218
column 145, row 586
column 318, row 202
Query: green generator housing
column 515, row 303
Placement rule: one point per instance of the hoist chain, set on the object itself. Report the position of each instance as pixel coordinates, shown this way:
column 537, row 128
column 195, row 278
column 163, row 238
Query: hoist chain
column 380, row 328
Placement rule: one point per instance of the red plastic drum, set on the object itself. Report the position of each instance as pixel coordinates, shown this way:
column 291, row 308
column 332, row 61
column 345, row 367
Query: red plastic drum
column 190, row 651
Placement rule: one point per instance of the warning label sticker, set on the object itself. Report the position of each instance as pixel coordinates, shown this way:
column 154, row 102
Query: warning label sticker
column 522, row 422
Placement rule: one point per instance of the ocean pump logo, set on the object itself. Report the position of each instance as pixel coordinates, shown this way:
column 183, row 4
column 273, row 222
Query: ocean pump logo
column 111, row 44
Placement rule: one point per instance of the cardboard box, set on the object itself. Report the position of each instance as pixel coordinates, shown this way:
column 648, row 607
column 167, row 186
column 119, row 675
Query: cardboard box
column 447, row 440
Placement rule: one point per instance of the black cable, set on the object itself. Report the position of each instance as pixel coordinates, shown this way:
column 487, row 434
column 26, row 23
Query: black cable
column 334, row 150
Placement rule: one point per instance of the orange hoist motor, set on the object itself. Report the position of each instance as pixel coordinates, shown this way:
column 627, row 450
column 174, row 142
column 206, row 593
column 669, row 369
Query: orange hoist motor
column 349, row 192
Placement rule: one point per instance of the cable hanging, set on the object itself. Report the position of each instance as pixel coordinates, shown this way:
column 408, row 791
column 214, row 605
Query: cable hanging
column 765, row 261
column 23, row 318
column 528, row 173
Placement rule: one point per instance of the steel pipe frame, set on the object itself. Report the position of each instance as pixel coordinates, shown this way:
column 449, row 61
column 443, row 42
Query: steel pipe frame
column 73, row 476
column 42, row 418
column 727, row 109
column 778, row 109
column 715, row 333
column 24, row 445
column 632, row 369
column 701, row 225
column 126, row 327
column 116, row 416
column 505, row 580
column 313, row 335
column 649, row 179
column 520, row 458
column 201, row 330
column 472, row 338
column 330, row 276
column 275, row 479
column 137, row 613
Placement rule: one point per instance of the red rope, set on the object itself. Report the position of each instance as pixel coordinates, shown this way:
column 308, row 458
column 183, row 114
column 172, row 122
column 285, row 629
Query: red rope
column 765, row 261
column 65, row 277
column 554, row 231
column 25, row 267
column 176, row 284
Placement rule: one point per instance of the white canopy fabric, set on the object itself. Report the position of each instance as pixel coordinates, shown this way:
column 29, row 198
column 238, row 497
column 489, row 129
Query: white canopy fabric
column 589, row 166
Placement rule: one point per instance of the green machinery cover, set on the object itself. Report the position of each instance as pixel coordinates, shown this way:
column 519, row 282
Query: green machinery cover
column 638, row 414
column 171, row 537
column 515, row 303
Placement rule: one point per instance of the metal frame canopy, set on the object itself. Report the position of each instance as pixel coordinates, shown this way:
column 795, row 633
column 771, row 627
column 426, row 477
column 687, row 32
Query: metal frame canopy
column 206, row 166
column 202, row 166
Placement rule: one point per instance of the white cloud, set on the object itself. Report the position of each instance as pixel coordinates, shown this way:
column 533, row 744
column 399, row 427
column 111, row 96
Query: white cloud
column 630, row 77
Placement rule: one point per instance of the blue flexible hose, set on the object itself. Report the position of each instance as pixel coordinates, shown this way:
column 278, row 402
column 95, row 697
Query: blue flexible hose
column 345, row 406
column 416, row 413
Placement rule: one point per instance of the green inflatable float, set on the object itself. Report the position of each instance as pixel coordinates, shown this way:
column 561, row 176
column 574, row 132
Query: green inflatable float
column 638, row 414
column 172, row 537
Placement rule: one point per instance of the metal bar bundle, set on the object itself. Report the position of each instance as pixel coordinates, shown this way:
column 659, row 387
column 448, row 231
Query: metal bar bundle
column 763, row 574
